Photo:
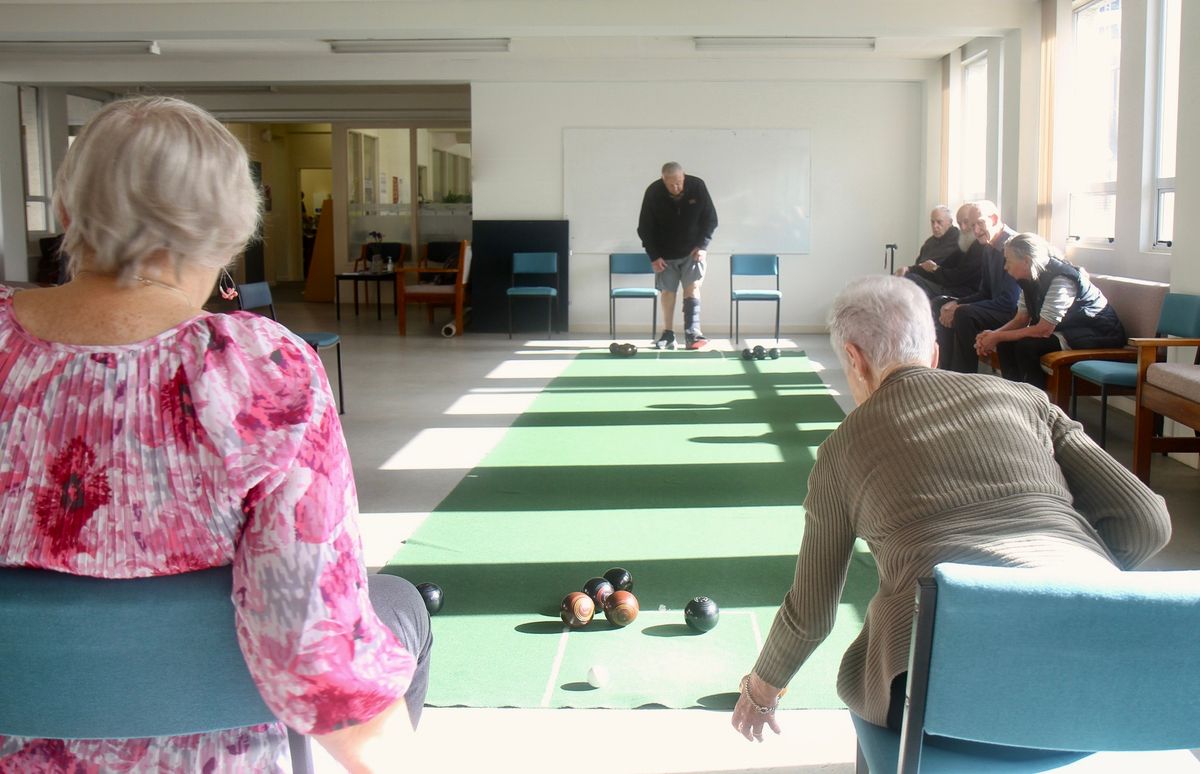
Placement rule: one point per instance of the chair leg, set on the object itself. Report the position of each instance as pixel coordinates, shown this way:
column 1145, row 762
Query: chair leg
column 653, row 318
column 1103, row 414
column 301, row 750
column 1074, row 397
column 341, row 394
column 860, row 760
column 510, row 317
column 731, row 338
column 612, row 317
column 777, row 305
column 549, row 317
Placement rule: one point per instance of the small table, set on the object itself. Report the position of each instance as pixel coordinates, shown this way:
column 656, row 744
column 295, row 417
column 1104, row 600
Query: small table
column 356, row 277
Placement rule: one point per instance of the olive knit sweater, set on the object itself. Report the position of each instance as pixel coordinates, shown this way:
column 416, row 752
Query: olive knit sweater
column 936, row 467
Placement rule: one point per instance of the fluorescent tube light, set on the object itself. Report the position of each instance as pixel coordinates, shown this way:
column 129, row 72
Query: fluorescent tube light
column 80, row 47
column 763, row 43
column 419, row 46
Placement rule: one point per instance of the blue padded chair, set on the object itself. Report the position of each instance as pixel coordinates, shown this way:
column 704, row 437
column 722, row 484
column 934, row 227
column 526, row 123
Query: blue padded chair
column 257, row 295
column 630, row 263
column 1034, row 670
column 752, row 265
column 1180, row 316
column 97, row 658
column 534, row 263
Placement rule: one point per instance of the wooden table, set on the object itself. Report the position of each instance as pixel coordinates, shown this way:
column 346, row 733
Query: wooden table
column 378, row 277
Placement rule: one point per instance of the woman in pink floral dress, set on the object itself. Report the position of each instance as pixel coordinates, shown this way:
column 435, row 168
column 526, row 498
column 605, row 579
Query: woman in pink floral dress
column 141, row 436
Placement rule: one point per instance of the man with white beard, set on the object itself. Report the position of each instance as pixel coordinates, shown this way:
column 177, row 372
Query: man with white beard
column 958, row 273
column 992, row 304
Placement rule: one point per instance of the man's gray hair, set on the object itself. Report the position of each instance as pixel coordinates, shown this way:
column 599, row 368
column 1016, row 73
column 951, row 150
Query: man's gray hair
column 155, row 174
column 671, row 167
column 1032, row 249
column 886, row 317
column 943, row 209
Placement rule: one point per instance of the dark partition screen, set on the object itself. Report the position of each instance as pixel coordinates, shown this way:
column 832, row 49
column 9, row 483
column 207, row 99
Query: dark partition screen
column 492, row 244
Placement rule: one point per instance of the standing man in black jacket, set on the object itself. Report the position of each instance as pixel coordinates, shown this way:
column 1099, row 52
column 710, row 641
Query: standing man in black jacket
column 676, row 224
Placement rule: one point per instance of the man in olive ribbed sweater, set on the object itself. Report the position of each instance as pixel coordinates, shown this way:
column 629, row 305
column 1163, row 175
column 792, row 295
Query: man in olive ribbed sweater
column 935, row 466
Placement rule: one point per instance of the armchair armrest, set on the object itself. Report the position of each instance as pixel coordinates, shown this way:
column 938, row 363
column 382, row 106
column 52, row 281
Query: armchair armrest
column 423, row 270
column 1164, row 342
column 1066, row 358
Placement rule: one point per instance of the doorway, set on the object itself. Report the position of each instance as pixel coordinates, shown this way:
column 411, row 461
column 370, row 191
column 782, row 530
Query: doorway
column 316, row 188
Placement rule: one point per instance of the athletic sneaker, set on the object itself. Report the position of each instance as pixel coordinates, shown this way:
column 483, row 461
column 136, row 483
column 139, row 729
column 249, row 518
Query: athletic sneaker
column 666, row 340
column 695, row 340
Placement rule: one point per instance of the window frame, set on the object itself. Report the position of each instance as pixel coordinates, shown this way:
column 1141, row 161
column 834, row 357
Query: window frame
column 1081, row 188
column 38, row 125
column 1163, row 185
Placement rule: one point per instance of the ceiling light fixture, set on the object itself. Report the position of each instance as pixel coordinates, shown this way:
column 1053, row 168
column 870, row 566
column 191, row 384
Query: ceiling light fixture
column 420, row 46
column 760, row 43
column 80, row 47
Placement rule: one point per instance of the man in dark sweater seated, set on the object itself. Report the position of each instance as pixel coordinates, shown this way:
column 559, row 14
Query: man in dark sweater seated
column 993, row 304
column 956, row 274
column 937, row 248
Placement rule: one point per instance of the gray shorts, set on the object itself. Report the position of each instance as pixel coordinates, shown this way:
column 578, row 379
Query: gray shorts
column 687, row 270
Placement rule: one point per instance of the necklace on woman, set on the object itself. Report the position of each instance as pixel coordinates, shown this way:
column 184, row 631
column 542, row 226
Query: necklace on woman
column 144, row 281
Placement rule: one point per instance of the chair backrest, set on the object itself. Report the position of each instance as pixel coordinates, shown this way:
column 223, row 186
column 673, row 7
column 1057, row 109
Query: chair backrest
column 535, row 263
column 255, row 295
column 754, row 264
column 93, row 658
column 629, row 263
column 1180, row 316
column 464, row 259
column 1058, row 661
column 1138, row 303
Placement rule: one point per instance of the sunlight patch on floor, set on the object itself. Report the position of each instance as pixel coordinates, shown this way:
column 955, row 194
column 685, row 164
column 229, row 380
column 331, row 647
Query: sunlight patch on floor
column 446, row 448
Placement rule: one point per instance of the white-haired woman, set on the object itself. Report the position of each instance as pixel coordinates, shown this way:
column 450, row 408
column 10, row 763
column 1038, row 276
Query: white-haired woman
column 934, row 466
column 1059, row 309
column 142, row 436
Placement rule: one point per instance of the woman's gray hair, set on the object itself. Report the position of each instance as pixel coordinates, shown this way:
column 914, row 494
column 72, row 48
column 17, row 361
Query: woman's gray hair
column 888, row 318
column 1032, row 249
column 150, row 174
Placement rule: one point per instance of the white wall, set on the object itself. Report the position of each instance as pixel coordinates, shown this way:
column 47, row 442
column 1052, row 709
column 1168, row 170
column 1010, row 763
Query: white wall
column 869, row 181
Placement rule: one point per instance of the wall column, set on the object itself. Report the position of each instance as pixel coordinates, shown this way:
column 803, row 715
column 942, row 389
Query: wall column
column 14, row 261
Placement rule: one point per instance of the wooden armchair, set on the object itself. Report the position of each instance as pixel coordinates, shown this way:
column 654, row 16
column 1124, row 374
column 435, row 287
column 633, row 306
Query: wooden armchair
column 450, row 294
column 1138, row 304
column 1170, row 390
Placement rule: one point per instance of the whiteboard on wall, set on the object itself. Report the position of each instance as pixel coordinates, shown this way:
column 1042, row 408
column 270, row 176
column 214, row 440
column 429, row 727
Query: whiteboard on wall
column 759, row 180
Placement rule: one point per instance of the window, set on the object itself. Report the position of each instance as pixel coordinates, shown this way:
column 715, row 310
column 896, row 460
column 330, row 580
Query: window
column 974, row 129
column 1092, row 146
column 37, row 203
column 1168, row 124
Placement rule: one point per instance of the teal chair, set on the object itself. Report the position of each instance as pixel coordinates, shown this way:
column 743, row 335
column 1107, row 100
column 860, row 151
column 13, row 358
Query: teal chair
column 1180, row 316
column 257, row 295
column 630, row 263
column 1035, row 670
column 96, row 658
column 543, row 264
column 752, row 265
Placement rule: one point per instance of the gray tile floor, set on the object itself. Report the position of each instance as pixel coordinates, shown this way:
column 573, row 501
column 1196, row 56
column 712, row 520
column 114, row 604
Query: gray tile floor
column 421, row 410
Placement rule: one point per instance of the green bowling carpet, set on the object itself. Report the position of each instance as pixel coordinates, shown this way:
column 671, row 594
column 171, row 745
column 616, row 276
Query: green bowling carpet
column 687, row 468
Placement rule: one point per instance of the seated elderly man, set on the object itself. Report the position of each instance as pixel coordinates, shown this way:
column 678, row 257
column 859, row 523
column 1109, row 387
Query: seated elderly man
column 1059, row 308
column 937, row 248
column 935, row 466
column 990, row 305
column 958, row 274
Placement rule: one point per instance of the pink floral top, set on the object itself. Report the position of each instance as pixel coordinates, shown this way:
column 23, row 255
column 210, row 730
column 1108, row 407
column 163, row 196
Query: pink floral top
column 216, row 442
